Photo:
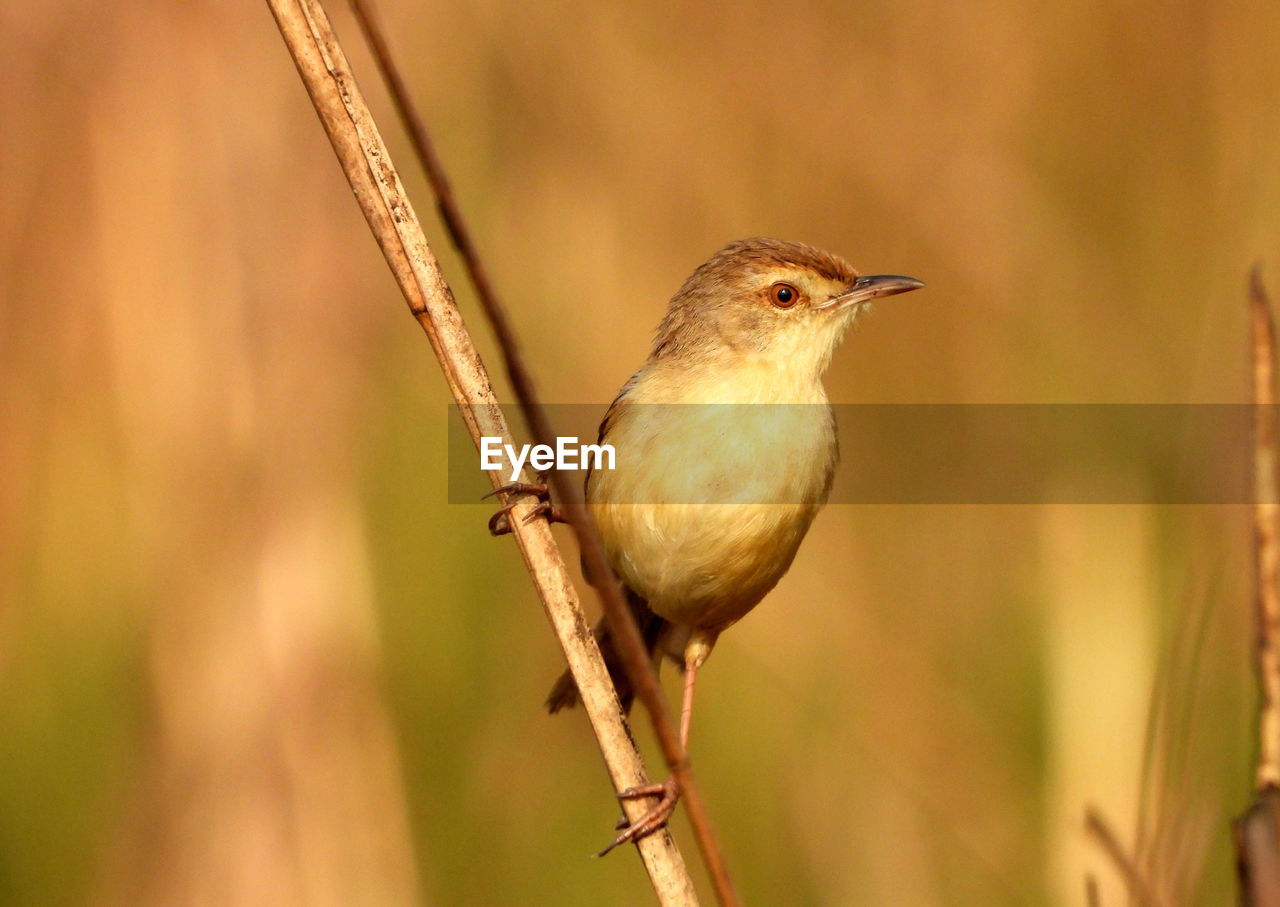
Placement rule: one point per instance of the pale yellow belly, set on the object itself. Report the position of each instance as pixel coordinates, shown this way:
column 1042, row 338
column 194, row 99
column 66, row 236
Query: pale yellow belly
column 702, row 565
column 699, row 562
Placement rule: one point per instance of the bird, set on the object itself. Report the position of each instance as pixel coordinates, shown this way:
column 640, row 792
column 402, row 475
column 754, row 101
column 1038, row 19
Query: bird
column 726, row 449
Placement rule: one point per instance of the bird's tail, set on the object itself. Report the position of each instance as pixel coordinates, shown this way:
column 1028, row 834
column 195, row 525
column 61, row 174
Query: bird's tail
column 565, row 692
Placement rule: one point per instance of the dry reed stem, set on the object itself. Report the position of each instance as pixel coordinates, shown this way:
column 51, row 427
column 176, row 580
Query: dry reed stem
column 1257, row 843
column 1091, row 896
column 627, row 636
column 1266, row 534
column 1139, row 890
column 324, row 70
column 1257, row 832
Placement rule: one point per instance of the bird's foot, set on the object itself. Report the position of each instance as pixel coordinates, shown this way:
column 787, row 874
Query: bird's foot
column 500, row 522
column 668, row 794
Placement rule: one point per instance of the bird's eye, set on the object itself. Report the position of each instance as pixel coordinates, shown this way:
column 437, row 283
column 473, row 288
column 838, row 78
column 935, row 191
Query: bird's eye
column 783, row 295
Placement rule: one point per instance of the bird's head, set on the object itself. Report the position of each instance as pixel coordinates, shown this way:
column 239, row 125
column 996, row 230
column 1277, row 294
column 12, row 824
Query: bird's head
column 781, row 302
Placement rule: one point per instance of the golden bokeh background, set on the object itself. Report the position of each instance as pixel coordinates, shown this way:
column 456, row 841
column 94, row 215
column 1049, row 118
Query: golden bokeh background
column 250, row 654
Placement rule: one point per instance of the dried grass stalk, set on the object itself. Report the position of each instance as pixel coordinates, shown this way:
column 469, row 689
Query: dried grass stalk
column 1257, row 832
column 367, row 165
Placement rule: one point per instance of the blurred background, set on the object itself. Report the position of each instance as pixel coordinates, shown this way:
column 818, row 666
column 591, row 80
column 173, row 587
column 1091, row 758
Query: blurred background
column 250, row 654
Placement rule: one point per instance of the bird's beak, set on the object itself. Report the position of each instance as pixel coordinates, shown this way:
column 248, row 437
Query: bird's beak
column 865, row 289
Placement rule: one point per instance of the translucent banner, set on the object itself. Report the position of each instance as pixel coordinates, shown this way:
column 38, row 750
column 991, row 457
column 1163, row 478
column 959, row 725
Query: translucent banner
column 887, row 453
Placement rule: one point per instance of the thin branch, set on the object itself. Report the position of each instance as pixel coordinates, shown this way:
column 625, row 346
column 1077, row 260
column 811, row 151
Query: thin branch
column 324, row 70
column 1139, row 890
column 1257, row 833
column 627, row 636
column 1266, row 533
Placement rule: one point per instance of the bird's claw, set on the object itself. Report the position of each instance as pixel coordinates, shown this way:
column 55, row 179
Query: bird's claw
column 500, row 522
column 668, row 793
